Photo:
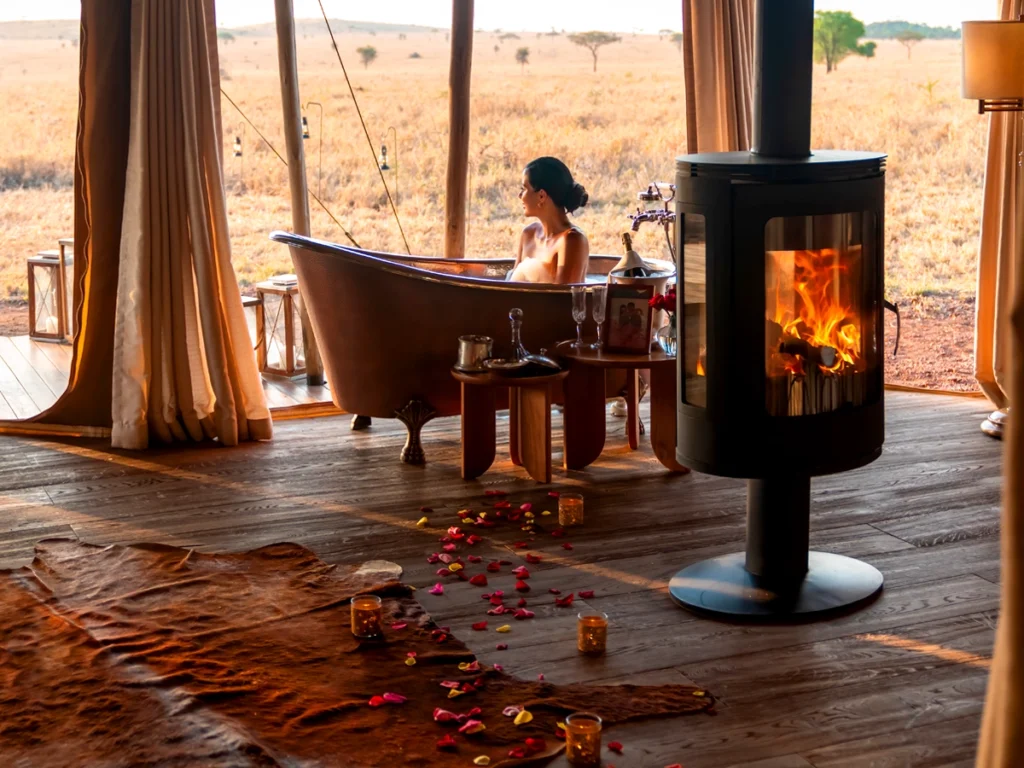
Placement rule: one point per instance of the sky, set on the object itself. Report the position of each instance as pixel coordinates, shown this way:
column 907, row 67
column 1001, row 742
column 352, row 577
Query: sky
column 539, row 15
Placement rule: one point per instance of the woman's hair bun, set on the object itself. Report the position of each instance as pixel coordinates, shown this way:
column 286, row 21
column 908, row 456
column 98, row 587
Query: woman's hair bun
column 578, row 197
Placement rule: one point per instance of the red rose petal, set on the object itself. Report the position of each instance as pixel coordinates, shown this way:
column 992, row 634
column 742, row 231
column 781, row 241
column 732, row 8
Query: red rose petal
column 541, row 677
column 532, row 558
column 564, row 602
column 615, row 746
column 501, row 647
column 522, row 586
column 517, row 752
column 449, row 547
column 567, row 545
column 464, row 513
column 554, row 494
column 473, row 539
column 475, row 559
column 554, row 591
column 448, row 742
column 497, row 611
column 586, row 594
column 522, row 602
column 495, row 492
column 533, row 746
column 521, row 572
column 496, row 599
column 558, row 532
column 376, row 701
column 494, row 567
column 479, row 580
column 520, row 545
column 526, row 507
column 480, row 626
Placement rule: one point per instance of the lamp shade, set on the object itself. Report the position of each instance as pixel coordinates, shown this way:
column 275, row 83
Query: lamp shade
column 993, row 60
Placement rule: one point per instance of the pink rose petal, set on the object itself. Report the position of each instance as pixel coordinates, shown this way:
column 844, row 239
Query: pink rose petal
column 437, row 589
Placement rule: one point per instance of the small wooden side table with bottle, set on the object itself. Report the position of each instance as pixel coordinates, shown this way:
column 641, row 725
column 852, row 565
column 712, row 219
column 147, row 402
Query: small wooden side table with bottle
column 584, row 417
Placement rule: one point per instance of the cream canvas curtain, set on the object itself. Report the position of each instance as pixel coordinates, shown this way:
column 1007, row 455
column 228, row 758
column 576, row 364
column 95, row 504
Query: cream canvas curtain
column 183, row 364
column 1000, row 363
column 718, row 62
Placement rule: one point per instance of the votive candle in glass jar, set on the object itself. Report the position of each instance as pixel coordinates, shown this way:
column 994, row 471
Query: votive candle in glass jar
column 570, row 509
column 583, row 739
column 367, row 616
column 592, row 632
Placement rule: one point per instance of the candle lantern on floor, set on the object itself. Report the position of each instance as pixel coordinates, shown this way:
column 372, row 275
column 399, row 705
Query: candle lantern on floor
column 45, row 297
column 367, row 617
column 583, row 739
column 67, row 282
column 592, row 633
column 279, row 328
column 570, row 509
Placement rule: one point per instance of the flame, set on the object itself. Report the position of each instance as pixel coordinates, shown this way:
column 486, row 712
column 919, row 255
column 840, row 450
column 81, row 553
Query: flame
column 813, row 310
column 700, row 368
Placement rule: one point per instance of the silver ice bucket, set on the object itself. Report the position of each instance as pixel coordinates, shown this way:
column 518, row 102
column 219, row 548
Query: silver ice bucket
column 473, row 350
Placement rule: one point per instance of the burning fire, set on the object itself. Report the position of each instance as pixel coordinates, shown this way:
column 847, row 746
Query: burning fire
column 817, row 325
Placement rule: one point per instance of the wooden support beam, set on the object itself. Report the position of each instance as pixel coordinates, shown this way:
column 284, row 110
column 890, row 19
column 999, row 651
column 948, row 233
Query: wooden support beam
column 296, row 165
column 458, row 129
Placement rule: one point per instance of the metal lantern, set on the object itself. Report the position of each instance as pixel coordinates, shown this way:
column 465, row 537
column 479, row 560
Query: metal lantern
column 45, row 297
column 278, row 327
column 67, row 281
column 251, row 308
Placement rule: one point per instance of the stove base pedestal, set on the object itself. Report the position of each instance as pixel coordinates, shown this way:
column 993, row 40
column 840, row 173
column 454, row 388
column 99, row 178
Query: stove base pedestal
column 724, row 585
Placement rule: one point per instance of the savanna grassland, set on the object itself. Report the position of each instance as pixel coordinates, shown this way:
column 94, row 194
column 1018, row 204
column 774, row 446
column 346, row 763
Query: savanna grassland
column 616, row 129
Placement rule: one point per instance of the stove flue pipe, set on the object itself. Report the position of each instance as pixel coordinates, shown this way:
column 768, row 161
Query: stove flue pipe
column 783, row 67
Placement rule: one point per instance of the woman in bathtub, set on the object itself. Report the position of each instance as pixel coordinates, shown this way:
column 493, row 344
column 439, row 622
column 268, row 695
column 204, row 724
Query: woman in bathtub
column 551, row 249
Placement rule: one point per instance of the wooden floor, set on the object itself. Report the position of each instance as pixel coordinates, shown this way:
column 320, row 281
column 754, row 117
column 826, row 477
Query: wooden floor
column 900, row 682
column 33, row 374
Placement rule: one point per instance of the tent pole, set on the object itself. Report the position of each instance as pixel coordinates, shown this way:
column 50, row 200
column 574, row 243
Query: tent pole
column 296, row 166
column 458, row 129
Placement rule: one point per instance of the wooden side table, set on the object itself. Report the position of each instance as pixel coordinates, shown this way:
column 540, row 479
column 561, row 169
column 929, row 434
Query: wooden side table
column 584, row 417
column 529, row 421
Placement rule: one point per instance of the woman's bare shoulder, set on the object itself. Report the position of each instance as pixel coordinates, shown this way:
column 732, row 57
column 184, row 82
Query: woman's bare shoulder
column 575, row 238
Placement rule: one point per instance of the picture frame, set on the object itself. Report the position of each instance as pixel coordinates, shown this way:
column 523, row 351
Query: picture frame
column 628, row 318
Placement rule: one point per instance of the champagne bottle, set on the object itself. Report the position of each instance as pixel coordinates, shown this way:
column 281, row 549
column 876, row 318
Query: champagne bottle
column 630, row 265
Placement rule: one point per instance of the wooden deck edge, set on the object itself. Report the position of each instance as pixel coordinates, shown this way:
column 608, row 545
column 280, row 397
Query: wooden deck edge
column 34, row 429
column 926, row 391
column 305, row 411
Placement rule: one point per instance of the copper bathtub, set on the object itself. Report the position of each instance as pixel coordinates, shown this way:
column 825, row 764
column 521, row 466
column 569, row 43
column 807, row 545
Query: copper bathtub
column 388, row 325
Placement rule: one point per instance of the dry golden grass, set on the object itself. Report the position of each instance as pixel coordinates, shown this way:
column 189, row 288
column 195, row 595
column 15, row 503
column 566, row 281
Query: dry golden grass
column 616, row 129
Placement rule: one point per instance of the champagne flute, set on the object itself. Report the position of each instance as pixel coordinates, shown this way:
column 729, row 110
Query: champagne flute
column 600, row 298
column 579, row 312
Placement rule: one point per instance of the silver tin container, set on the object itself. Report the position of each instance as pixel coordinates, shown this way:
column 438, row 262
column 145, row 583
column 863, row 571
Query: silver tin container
column 473, row 350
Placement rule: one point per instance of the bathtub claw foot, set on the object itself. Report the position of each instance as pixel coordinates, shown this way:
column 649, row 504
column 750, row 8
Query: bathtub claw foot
column 360, row 422
column 414, row 415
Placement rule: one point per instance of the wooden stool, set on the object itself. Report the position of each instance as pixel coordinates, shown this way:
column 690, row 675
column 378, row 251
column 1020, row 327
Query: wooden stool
column 529, row 406
column 584, row 427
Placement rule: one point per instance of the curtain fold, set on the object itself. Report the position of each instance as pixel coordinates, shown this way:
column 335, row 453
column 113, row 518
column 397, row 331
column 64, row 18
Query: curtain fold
column 718, row 67
column 183, row 366
column 1000, row 362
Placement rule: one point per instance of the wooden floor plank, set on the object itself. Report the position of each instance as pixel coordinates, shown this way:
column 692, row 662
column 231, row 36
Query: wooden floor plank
column 54, row 376
column 31, row 381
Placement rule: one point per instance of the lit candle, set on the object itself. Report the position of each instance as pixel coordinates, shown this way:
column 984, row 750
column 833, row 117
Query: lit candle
column 570, row 509
column 592, row 632
column 583, row 739
column 367, row 616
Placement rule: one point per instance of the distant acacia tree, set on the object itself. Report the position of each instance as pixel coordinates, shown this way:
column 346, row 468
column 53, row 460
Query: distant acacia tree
column 909, row 38
column 226, row 36
column 508, row 36
column 837, row 35
column 523, row 57
column 368, row 54
column 677, row 38
column 594, row 40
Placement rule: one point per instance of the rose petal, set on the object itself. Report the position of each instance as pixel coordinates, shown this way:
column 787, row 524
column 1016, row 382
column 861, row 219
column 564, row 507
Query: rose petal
column 532, row 558
column 540, row 676
column 497, row 610
column 521, row 572
column 567, row 545
column 554, row 591
column 480, row 626
column 449, row 684
column 521, row 602
column 615, row 746
column 494, row 567
column 434, row 558
column 464, row 513
column 443, row 715
column 503, row 505
column 504, row 628
column 496, row 599
column 525, row 507
column 446, row 558
column 564, row 602
column 376, row 701
column 410, row 662
column 422, row 522
column 498, row 667
column 482, row 760
column 495, row 492
column 411, row 654
column 517, row 752
column 455, row 567
column 558, row 532
column 394, row 698
column 511, row 710
column 473, row 540
column 454, row 531
column 498, row 593
column 479, row 580
column 455, row 693
column 522, row 586
column 437, row 589
column 501, row 647
column 448, row 547
column 472, row 726
column 546, row 512
column 447, row 742
column 586, row 594
column 522, row 613
column 470, row 666
column 698, row 693
column 520, row 545
column 523, row 718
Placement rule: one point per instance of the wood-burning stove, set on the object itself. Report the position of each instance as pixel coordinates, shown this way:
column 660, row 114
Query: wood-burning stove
column 780, row 332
